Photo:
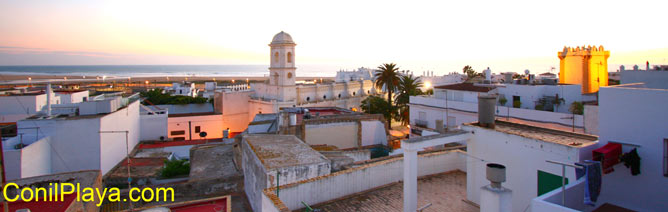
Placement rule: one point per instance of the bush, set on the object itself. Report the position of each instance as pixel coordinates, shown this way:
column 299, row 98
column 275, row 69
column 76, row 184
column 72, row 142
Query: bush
column 517, row 104
column 576, row 108
column 503, row 101
column 174, row 168
column 539, row 107
column 157, row 97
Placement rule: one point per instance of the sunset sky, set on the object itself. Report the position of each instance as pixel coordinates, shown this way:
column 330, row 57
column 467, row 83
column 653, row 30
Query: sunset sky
column 418, row 35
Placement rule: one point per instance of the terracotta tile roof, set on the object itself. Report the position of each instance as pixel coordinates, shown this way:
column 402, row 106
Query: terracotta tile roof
column 466, row 87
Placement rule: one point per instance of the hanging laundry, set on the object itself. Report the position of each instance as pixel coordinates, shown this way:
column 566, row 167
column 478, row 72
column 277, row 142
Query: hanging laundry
column 592, row 172
column 608, row 155
column 632, row 159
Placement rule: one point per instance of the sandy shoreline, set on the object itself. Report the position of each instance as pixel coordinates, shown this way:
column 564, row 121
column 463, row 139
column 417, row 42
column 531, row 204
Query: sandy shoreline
column 36, row 79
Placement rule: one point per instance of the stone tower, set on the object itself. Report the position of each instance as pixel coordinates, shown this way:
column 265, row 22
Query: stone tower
column 586, row 66
column 282, row 68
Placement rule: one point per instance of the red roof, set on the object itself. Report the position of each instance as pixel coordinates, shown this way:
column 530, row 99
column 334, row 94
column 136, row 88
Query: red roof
column 39, row 206
column 465, row 87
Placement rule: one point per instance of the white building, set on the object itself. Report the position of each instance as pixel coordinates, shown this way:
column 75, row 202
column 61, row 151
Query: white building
column 357, row 75
column 523, row 150
column 154, row 122
column 631, row 115
column 186, row 122
column 656, row 77
column 15, row 107
column 280, row 90
column 72, row 96
column 271, row 160
column 182, row 89
column 462, row 104
column 93, row 140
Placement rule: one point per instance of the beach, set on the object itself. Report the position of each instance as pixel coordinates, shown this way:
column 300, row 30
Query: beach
column 18, row 79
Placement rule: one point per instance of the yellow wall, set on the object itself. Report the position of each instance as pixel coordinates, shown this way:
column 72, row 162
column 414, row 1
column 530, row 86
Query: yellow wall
column 586, row 66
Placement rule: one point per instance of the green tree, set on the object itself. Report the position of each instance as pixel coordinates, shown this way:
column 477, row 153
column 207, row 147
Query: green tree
column 377, row 105
column 408, row 86
column 159, row 97
column 387, row 76
column 576, row 108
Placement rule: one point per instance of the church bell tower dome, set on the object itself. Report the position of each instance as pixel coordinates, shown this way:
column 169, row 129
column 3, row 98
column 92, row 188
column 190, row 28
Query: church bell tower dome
column 282, row 38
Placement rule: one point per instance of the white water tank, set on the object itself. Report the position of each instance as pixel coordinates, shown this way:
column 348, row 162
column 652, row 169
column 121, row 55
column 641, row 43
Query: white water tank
column 293, row 119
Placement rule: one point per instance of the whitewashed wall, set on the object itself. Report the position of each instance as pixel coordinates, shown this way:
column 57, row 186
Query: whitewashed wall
column 635, row 115
column 74, row 142
column 211, row 124
column 13, row 163
column 235, row 109
column 551, row 201
column 340, row 134
column 153, row 126
column 36, row 158
column 591, row 119
column 523, row 157
column 373, row 132
column 652, row 79
column 465, row 112
column 72, row 97
column 112, row 145
column 348, row 182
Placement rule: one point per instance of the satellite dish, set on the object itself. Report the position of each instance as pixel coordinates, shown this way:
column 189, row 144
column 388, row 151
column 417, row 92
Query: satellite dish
column 202, row 134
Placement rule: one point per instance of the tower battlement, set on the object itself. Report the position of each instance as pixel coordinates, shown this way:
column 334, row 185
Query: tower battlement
column 583, row 50
column 584, row 65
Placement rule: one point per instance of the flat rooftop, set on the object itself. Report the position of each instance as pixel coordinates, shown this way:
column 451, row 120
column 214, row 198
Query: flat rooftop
column 544, row 134
column 277, row 151
column 445, row 191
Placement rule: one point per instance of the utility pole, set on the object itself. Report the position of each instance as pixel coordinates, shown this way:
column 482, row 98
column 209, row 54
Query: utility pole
column 127, row 152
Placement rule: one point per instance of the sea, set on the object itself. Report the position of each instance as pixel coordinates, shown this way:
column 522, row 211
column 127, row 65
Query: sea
column 164, row 70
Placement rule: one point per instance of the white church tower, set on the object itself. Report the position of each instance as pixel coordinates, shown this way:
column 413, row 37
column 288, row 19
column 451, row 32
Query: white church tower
column 282, row 68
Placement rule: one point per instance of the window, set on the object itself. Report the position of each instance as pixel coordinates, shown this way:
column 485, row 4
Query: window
column 339, row 96
column 276, row 57
column 179, row 138
column 422, row 115
column 197, row 129
column 665, row 157
column 324, row 97
column 354, row 93
column 289, row 57
column 308, row 99
column 178, row 132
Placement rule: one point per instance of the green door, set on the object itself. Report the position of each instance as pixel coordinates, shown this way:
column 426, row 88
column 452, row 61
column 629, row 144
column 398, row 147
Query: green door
column 548, row 182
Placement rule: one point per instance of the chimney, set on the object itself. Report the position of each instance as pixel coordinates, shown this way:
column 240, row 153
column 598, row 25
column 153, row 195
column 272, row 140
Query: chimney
column 439, row 126
column 494, row 197
column 293, row 119
column 48, row 99
column 486, row 104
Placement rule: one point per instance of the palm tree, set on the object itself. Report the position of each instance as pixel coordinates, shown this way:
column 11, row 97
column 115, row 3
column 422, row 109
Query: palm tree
column 387, row 77
column 408, row 86
column 470, row 73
